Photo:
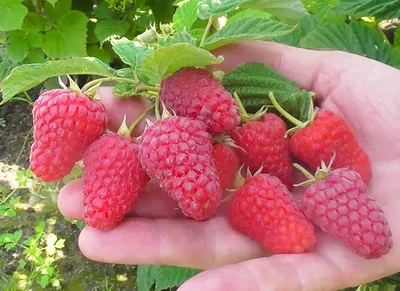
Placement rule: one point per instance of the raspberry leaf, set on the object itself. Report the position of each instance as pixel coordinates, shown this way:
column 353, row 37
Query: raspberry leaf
column 185, row 15
column 170, row 59
column 105, row 29
column 354, row 38
column 163, row 276
column 254, row 81
column 248, row 28
column 69, row 38
column 28, row 76
column 210, row 8
column 130, row 52
column 12, row 13
column 383, row 9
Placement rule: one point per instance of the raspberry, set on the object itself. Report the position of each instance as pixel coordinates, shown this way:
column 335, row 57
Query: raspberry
column 65, row 123
column 113, row 180
column 265, row 145
column 341, row 205
column 329, row 133
column 264, row 209
column 226, row 163
column 177, row 152
column 194, row 93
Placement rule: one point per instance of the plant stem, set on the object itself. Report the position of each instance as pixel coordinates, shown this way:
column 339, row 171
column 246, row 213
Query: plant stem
column 140, row 118
column 157, row 108
column 28, row 97
column 205, row 34
column 304, row 171
column 23, row 145
column 109, row 79
column 243, row 110
column 286, row 114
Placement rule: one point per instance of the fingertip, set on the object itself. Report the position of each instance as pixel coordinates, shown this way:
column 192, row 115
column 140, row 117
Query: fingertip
column 70, row 200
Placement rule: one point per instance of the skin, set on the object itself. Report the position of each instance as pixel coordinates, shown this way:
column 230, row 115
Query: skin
column 366, row 93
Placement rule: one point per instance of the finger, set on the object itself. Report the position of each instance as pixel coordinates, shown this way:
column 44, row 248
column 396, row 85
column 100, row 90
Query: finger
column 169, row 241
column 332, row 267
column 318, row 71
column 117, row 108
column 152, row 204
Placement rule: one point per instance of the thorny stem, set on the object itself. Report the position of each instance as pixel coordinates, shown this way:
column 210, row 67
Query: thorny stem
column 282, row 111
column 140, row 118
column 109, row 79
column 205, row 34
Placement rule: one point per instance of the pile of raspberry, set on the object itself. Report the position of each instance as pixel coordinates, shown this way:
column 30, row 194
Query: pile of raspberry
column 203, row 154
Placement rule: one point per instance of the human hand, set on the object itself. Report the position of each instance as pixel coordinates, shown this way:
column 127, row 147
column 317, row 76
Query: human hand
column 365, row 93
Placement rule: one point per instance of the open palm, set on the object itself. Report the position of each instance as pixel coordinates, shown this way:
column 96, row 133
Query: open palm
column 366, row 93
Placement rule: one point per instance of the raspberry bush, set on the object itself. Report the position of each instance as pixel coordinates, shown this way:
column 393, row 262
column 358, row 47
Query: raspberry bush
column 217, row 139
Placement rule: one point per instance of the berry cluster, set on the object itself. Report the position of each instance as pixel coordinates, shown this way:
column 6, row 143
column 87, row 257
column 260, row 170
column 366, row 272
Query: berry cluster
column 197, row 155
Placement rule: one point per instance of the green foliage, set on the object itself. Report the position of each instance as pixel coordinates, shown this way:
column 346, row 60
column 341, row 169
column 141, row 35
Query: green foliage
column 163, row 277
column 113, row 41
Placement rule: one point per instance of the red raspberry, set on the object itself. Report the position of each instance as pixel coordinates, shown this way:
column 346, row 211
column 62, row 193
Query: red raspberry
column 226, row 163
column 192, row 92
column 65, row 123
column 177, row 152
column 264, row 209
column 113, row 180
column 265, row 145
column 329, row 133
column 341, row 205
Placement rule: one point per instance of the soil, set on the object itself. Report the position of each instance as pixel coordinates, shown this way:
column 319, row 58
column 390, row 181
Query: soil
column 77, row 272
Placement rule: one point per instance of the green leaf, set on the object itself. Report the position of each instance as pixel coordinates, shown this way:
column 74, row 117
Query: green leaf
column 290, row 11
column 212, row 8
column 181, row 37
column 60, row 8
column 69, row 38
column 124, row 90
column 146, row 276
column 130, row 52
column 10, row 213
column 397, row 38
column 248, row 13
column 33, row 22
column 26, row 77
column 35, row 56
column 103, row 11
column 60, row 244
column 165, row 277
column 304, row 27
column 170, row 59
column 52, row 2
column 247, row 29
column 18, row 48
column 169, row 276
column 354, row 38
column 185, row 15
column 96, row 52
column 34, row 39
column 12, row 14
column 105, row 29
column 253, row 82
column 44, row 281
column 383, row 9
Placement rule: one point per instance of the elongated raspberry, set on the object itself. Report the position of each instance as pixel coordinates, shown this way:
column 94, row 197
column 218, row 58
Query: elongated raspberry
column 193, row 92
column 226, row 163
column 177, row 152
column 264, row 209
column 265, row 145
column 113, row 180
column 341, row 205
column 329, row 133
column 65, row 123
